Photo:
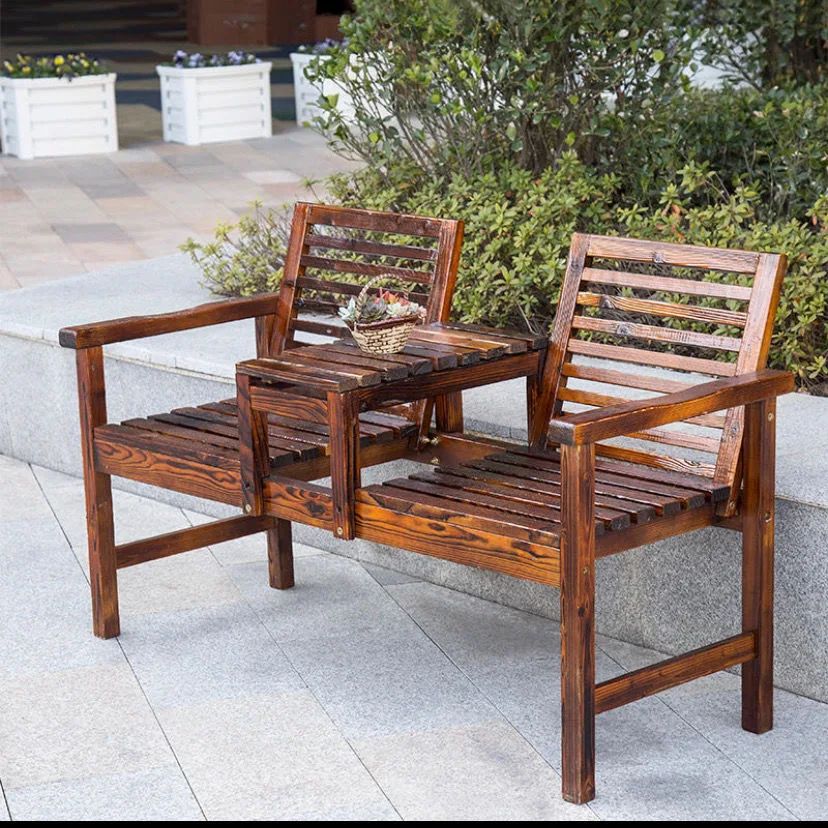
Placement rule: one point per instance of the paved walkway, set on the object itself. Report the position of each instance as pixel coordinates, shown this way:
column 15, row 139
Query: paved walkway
column 360, row 694
column 64, row 216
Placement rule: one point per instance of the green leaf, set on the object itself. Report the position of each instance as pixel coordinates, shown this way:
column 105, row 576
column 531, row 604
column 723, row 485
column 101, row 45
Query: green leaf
column 658, row 55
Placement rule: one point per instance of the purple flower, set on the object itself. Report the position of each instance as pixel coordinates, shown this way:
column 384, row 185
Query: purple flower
column 179, row 57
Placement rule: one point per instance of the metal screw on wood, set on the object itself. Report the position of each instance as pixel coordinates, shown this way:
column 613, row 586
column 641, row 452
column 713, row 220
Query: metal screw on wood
column 248, row 508
column 770, row 417
column 338, row 530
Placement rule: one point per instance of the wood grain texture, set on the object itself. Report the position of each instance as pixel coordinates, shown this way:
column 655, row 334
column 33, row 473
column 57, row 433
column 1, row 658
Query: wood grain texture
column 556, row 352
column 280, row 555
column 670, row 310
column 443, row 381
column 100, row 527
column 753, row 356
column 139, row 327
column 358, row 219
column 288, row 291
column 659, row 359
column 423, row 530
column 343, row 411
column 449, row 413
column 759, row 456
column 682, row 255
column 254, row 456
column 615, row 421
column 673, row 672
column 371, row 248
column 656, row 333
column 299, row 501
column 578, row 624
column 667, row 284
column 403, row 274
column 195, row 537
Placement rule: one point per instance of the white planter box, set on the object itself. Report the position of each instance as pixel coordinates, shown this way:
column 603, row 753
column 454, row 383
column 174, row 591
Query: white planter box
column 306, row 91
column 216, row 103
column 55, row 116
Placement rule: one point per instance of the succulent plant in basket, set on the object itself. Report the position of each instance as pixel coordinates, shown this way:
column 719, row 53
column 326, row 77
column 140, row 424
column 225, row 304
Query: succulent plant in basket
column 381, row 324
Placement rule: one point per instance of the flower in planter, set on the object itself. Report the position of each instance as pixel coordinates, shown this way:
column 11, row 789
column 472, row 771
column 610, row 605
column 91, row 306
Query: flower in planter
column 183, row 60
column 70, row 65
column 323, row 46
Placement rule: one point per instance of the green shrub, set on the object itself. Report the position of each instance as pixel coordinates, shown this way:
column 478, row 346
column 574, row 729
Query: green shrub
column 777, row 40
column 466, row 84
column 775, row 138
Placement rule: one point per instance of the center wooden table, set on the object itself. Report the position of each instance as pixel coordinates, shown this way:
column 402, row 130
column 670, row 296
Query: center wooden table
column 439, row 361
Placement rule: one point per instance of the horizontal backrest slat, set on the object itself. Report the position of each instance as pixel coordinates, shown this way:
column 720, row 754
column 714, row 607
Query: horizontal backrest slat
column 583, row 397
column 623, row 379
column 656, row 461
column 681, row 255
column 666, row 284
column 697, row 313
column 371, row 248
column 320, row 328
column 653, row 332
column 357, row 219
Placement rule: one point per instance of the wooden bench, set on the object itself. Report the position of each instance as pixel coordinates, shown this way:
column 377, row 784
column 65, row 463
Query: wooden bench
column 196, row 450
column 547, row 511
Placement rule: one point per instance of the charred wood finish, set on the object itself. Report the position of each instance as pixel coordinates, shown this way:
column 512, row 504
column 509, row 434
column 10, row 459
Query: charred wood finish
column 544, row 512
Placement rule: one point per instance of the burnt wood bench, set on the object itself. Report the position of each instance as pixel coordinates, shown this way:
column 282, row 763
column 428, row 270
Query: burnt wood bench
column 195, row 450
column 697, row 451
column 545, row 512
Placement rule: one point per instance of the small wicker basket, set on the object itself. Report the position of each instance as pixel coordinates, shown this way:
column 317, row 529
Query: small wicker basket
column 388, row 336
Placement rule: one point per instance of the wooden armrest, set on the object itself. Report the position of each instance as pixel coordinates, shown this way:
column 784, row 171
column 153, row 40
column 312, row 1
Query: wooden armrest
column 138, row 327
column 636, row 415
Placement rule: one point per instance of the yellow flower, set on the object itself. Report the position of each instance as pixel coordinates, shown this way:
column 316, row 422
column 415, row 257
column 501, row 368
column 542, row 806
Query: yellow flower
column 84, row 63
column 27, row 68
column 59, row 60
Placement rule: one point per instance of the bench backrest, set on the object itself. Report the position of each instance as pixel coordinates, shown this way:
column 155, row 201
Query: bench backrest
column 421, row 254
column 617, row 320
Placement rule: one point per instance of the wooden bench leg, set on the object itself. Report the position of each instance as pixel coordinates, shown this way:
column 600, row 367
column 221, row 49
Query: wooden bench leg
column 577, row 623
column 254, row 453
column 100, row 526
column 757, row 562
column 449, row 413
column 280, row 555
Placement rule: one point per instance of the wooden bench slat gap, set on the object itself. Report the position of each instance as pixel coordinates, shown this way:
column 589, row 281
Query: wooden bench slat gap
column 371, row 248
column 405, row 274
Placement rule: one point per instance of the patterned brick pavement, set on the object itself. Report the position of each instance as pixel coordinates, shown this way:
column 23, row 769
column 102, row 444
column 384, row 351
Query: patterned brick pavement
column 64, row 216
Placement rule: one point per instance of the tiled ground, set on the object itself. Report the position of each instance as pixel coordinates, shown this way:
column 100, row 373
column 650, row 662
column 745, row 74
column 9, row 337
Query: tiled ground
column 64, row 216
column 362, row 694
